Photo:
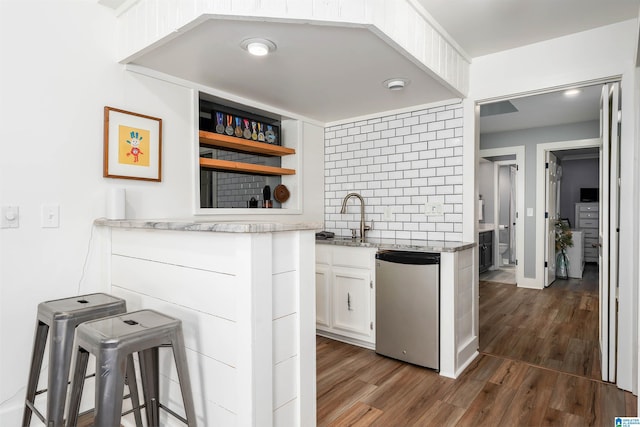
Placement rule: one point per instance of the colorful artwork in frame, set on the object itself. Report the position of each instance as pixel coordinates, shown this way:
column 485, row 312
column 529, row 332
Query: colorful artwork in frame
column 132, row 145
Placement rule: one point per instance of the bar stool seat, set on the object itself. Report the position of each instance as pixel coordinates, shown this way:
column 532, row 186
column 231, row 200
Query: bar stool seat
column 62, row 316
column 112, row 341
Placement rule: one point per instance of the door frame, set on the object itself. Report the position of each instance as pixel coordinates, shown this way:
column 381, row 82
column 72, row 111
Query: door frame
column 541, row 151
column 519, row 152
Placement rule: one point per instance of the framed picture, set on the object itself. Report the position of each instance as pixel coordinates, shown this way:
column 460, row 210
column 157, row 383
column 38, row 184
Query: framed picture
column 132, row 145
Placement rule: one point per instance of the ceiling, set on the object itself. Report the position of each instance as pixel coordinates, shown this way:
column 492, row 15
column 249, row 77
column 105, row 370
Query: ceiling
column 548, row 109
column 323, row 72
column 482, row 27
column 331, row 73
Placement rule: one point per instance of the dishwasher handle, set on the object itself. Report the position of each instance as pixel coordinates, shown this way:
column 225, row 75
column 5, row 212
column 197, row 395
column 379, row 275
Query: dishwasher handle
column 410, row 258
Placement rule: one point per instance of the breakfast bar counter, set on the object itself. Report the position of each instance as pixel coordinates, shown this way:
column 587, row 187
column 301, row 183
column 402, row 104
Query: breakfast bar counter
column 245, row 294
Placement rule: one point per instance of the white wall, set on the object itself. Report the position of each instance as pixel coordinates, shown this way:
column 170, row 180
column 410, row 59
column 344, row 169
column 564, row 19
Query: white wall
column 58, row 72
column 600, row 53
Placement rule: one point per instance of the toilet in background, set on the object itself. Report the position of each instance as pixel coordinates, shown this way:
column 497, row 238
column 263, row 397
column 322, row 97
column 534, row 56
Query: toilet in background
column 504, row 253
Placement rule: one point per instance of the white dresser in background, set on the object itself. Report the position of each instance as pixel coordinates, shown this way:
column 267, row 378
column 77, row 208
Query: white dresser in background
column 587, row 220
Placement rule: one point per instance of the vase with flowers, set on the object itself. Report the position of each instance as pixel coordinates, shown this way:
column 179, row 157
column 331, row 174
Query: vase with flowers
column 564, row 240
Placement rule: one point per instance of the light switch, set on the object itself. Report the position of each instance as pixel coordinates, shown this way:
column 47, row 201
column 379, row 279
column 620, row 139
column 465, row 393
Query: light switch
column 50, row 217
column 529, row 211
column 10, row 217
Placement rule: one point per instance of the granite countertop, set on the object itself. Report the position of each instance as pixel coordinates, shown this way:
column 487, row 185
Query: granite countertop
column 209, row 225
column 398, row 244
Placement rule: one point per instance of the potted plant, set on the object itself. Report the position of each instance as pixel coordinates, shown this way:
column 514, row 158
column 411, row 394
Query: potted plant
column 564, row 240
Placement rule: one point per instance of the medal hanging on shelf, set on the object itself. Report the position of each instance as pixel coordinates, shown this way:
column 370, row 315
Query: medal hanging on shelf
column 238, row 131
column 254, row 134
column 229, row 129
column 260, row 133
column 247, row 131
column 219, row 125
column 270, row 135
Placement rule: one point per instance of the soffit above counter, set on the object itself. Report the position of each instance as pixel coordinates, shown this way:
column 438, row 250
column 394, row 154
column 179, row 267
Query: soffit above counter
column 331, row 59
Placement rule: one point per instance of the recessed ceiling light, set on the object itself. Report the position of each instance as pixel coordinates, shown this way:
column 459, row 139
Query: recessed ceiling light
column 571, row 92
column 258, row 47
column 396, row 83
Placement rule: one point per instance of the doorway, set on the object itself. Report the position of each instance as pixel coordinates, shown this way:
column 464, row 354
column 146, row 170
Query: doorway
column 499, row 209
column 536, row 139
column 501, row 184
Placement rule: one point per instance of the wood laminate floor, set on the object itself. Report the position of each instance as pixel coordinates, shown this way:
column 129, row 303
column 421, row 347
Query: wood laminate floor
column 536, row 377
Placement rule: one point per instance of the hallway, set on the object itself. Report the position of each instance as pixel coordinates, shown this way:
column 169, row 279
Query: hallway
column 536, row 367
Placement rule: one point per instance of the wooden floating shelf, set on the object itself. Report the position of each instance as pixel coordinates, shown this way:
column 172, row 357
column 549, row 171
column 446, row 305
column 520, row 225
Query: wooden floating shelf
column 244, row 167
column 238, row 144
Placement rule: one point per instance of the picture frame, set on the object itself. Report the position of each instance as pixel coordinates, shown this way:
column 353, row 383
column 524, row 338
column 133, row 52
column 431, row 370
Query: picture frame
column 132, row 145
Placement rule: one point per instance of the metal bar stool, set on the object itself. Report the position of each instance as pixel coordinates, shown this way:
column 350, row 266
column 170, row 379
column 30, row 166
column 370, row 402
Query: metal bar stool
column 113, row 340
column 62, row 316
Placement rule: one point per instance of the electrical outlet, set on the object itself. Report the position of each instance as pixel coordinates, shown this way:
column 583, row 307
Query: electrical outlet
column 433, row 208
column 387, row 214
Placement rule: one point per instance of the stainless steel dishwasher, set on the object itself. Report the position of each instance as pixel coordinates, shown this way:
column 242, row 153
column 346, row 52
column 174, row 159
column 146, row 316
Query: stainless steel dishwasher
column 407, row 307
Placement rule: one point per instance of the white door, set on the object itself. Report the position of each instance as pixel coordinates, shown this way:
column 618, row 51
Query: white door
column 551, row 214
column 608, row 230
column 513, row 213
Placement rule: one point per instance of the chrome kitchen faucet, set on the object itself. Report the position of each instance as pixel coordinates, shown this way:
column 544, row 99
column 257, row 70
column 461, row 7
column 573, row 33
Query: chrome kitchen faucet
column 363, row 227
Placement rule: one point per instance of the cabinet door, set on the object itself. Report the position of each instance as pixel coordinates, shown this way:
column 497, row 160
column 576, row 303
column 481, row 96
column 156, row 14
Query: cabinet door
column 481, row 257
column 352, row 301
column 489, row 249
column 323, row 303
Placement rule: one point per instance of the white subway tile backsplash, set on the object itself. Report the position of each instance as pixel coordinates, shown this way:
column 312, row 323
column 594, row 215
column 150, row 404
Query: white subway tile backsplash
column 395, row 124
column 435, row 163
column 360, row 137
column 373, row 136
column 417, row 129
column 398, row 162
column 402, row 131
column 453, row 123
column 453, row 160
column 432, row 126
column 389, row 167
column 395, row 140
column 435, row 235
column 446, row 133
column 428, row 118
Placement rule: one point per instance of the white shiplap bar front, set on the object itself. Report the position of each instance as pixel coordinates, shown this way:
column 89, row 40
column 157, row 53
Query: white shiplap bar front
column 245, row 294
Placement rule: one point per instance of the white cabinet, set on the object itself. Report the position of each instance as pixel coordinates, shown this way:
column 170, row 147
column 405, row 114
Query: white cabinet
column 345, row 298
column 588, row 220
column 351, row 291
